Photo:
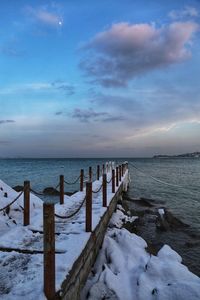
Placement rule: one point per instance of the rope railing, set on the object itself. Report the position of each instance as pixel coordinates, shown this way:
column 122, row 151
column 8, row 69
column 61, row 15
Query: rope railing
column 73, row 213
column 13, row 201
column 37, row 193
column 97, row 191
column 50, row 216
column 109, row 181
column 161, row 181
column 72, row 183
column 42, row 193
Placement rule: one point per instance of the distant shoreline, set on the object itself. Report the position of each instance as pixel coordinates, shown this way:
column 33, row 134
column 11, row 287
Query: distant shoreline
column 186, row 155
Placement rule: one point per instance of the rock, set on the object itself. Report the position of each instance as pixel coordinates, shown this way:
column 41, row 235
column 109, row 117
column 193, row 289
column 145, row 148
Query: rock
column 50, row 191
column 173, row 221
column 18, row 188
column 161, row 223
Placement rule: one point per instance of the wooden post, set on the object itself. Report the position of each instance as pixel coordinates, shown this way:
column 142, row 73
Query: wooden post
column 103, row 169
column 61, row 189
column 49, row 250
column 90, row 173
column 88, row 222
column 104, row 190
column 26, row 203
column 120, row 173
column 98, row 172
column 122, row 170
column 117, row 176
column 113, row 181
column 81, row 179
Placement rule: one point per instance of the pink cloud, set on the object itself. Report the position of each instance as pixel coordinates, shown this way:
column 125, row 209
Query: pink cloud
column 124, row 51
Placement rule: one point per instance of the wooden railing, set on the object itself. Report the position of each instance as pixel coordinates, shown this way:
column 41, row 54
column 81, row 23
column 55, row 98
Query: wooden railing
column 49, row 211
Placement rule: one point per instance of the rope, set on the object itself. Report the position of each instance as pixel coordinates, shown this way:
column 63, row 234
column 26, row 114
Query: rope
column 71, row 183
column 110, row 180
column 97, row 191
column 72, row 214
column 8, row 205
column 37, row 193
column 158, row 180
column 42, row 193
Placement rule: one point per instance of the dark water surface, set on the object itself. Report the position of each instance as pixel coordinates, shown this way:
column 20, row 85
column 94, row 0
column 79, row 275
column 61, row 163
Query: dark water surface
column 183, row 201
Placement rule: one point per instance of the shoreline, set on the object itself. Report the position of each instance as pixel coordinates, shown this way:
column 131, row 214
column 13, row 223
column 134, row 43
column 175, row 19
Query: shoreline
column 157, row 231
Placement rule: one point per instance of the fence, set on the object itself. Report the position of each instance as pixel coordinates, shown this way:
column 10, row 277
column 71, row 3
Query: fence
column 49, row 214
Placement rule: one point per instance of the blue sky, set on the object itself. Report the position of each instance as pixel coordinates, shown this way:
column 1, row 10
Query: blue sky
column 99, row 78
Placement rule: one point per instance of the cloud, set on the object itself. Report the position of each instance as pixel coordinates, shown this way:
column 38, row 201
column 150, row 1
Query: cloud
column 186, row 12
column 58, row 113
column 59, row 85
column 87, row 115
column 6, row 121
column 42, row 15
column 62, row 85
column 162, row 107
column 116, row 56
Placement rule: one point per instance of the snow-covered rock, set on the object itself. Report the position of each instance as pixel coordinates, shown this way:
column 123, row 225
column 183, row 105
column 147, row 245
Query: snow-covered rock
column 124, row 270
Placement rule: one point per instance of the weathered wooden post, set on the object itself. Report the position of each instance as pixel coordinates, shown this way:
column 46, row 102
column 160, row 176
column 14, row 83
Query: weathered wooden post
column 90, row 173
column 113, row 181
column 103, row 169
column 117, row 176
column 122, row 170
column 26, row 203
column 104, row 190
column 62, row 189
column 98, row 172
column 88, row 223
column 81, row 179
column 120, row 173
column 49, row 250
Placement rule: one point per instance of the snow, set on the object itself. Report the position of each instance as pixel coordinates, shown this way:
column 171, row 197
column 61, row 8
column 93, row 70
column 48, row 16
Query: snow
column 119, row 218
column 21, row 275
column 124, row 270
column 161, row 211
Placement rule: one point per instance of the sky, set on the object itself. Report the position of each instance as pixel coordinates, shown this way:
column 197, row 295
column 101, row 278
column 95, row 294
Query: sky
column 99, row 78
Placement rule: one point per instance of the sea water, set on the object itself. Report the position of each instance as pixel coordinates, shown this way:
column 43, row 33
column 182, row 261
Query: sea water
column 179, row 189
column 182, row 196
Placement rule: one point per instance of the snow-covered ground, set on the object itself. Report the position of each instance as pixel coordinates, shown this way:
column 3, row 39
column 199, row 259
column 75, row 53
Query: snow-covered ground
column 124, row 270
column 21, row 275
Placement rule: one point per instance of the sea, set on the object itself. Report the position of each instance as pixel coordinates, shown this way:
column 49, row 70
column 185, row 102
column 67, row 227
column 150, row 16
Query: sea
column 176, row 181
